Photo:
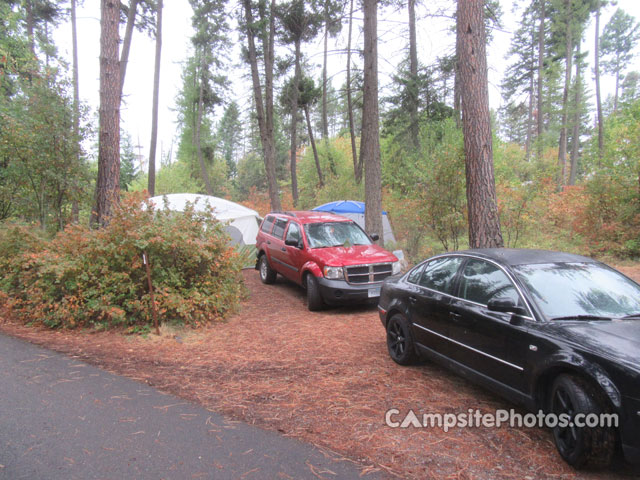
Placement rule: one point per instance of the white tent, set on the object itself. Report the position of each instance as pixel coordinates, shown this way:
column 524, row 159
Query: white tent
column 241, row 222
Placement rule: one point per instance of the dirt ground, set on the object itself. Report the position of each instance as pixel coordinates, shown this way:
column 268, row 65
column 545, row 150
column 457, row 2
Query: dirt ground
column 325, row 378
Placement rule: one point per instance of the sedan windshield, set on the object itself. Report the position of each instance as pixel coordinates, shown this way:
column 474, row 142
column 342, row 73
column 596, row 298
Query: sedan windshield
column 334, row 234
column 581, row 291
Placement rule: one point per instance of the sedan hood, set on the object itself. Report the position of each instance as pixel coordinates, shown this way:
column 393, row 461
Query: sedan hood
column 355, row 255
column 617, row 338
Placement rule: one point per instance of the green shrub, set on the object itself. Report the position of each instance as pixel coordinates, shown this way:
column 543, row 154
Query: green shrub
column 97, row 278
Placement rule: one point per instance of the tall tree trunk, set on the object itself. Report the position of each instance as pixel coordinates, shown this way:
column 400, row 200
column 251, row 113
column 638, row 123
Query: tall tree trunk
column 575, row 141
column 562, row 147
column 264, row 108
column 484, row 222
column 126, row 43
column 370, row 141
column 597, row 74
column 75, row 207
column 530, row 110
column 414, row 128
column 541, row 76
column 203, row 166
column 325, row 121
column 294, row 125
column 357, row 165
column 151, row 185
column 30, row 24
column 615, row 97
column 313, row 146
column 107, row 186
column 457, row 101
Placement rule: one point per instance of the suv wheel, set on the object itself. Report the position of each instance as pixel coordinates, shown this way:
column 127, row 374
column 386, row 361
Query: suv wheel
column 267, row 274
column 585, row 446
column 400, row 341
column 314, row 300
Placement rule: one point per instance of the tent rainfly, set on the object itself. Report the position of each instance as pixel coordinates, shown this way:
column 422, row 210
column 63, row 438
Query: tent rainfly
column 355, row 211
column 242, row 223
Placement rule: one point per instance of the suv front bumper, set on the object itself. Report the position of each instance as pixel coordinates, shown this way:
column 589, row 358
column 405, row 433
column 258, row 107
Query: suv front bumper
column 339, row 292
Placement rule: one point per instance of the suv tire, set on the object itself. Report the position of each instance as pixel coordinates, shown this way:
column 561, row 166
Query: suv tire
column 267, row 274
column 314, row 299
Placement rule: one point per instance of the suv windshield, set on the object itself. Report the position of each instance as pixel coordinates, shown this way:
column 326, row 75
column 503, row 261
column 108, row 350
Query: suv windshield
column 580, row 290
column 334, row 234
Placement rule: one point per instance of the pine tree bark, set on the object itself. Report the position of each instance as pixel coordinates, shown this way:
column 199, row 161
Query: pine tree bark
column 597, row 75
column 357, row 166
column 107, row 188
column 370, row 142
column 294, row 125
column 126, row 43
column 264, row 107
column 325, row 121
column 151, row 184
column 413, row 71
column 203, row 166
column 575, row 141
column 484, row 222
column 541, row 76
column 530, row 108
column 75, row 206
column 562, row 147
column 313, row 146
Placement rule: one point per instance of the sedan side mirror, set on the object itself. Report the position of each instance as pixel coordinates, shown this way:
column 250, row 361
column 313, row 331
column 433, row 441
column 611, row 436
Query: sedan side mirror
column 375, row 237
column 505, row 305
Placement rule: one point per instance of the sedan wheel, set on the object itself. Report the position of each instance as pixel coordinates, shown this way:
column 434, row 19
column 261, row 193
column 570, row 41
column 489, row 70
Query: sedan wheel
column 400, row 342
column 580, row 446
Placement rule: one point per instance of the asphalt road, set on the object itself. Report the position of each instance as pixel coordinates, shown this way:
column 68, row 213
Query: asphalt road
column 61, row 418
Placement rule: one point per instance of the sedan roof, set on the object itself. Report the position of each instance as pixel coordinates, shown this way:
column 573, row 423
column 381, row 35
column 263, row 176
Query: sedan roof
column 523, row 256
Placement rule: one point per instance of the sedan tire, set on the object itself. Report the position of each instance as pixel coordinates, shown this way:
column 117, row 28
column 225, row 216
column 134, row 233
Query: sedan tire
column 580, row 447
column 400, row 341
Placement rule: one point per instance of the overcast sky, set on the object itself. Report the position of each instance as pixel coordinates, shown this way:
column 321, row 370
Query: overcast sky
column 434, row 40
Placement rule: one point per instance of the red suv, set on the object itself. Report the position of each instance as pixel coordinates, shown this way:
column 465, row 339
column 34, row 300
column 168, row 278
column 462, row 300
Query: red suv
column 329, row 255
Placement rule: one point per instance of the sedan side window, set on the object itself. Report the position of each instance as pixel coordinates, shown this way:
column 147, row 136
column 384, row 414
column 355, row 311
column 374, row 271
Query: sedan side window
column 482, row 281
column 414, row 275
column 439, row 274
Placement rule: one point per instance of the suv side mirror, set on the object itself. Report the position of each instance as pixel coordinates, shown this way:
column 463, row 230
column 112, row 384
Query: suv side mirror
column 293, row 243
column 505, row 305
column 375, row 237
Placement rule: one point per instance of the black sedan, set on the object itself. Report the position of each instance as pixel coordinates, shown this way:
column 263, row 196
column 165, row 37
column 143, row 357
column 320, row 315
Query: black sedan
column 552, row 331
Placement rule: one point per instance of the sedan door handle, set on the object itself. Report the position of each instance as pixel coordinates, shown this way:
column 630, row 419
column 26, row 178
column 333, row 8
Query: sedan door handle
column 268, row 242
column 413, row 299
column 283, row 249
column 455, row 316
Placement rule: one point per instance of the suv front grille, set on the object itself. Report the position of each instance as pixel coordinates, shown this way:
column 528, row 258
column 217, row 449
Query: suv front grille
column 361, row 274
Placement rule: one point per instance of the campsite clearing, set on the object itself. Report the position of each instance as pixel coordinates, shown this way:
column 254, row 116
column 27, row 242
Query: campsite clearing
column 325, row 378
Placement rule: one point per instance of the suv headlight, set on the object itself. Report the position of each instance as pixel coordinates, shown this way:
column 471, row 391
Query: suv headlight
column 396, row 268
column 333, row 273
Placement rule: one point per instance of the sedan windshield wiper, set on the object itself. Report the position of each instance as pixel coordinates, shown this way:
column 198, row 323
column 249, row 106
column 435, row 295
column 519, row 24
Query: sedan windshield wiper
column 581, row 317
column 628, row 317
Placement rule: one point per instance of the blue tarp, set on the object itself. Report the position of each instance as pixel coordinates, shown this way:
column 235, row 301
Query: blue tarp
column 343, row 206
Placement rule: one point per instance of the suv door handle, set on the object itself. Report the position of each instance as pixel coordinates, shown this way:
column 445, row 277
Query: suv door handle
column 413, row 299
column 455, row 316
column 268, row 242
column 283, row 249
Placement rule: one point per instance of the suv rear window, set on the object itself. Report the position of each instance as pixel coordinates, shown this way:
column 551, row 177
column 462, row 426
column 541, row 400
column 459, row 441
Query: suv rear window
column 278, row 230
column 267, row 224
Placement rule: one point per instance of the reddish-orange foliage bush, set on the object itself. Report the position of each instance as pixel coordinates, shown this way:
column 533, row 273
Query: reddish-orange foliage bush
column 97, row 277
